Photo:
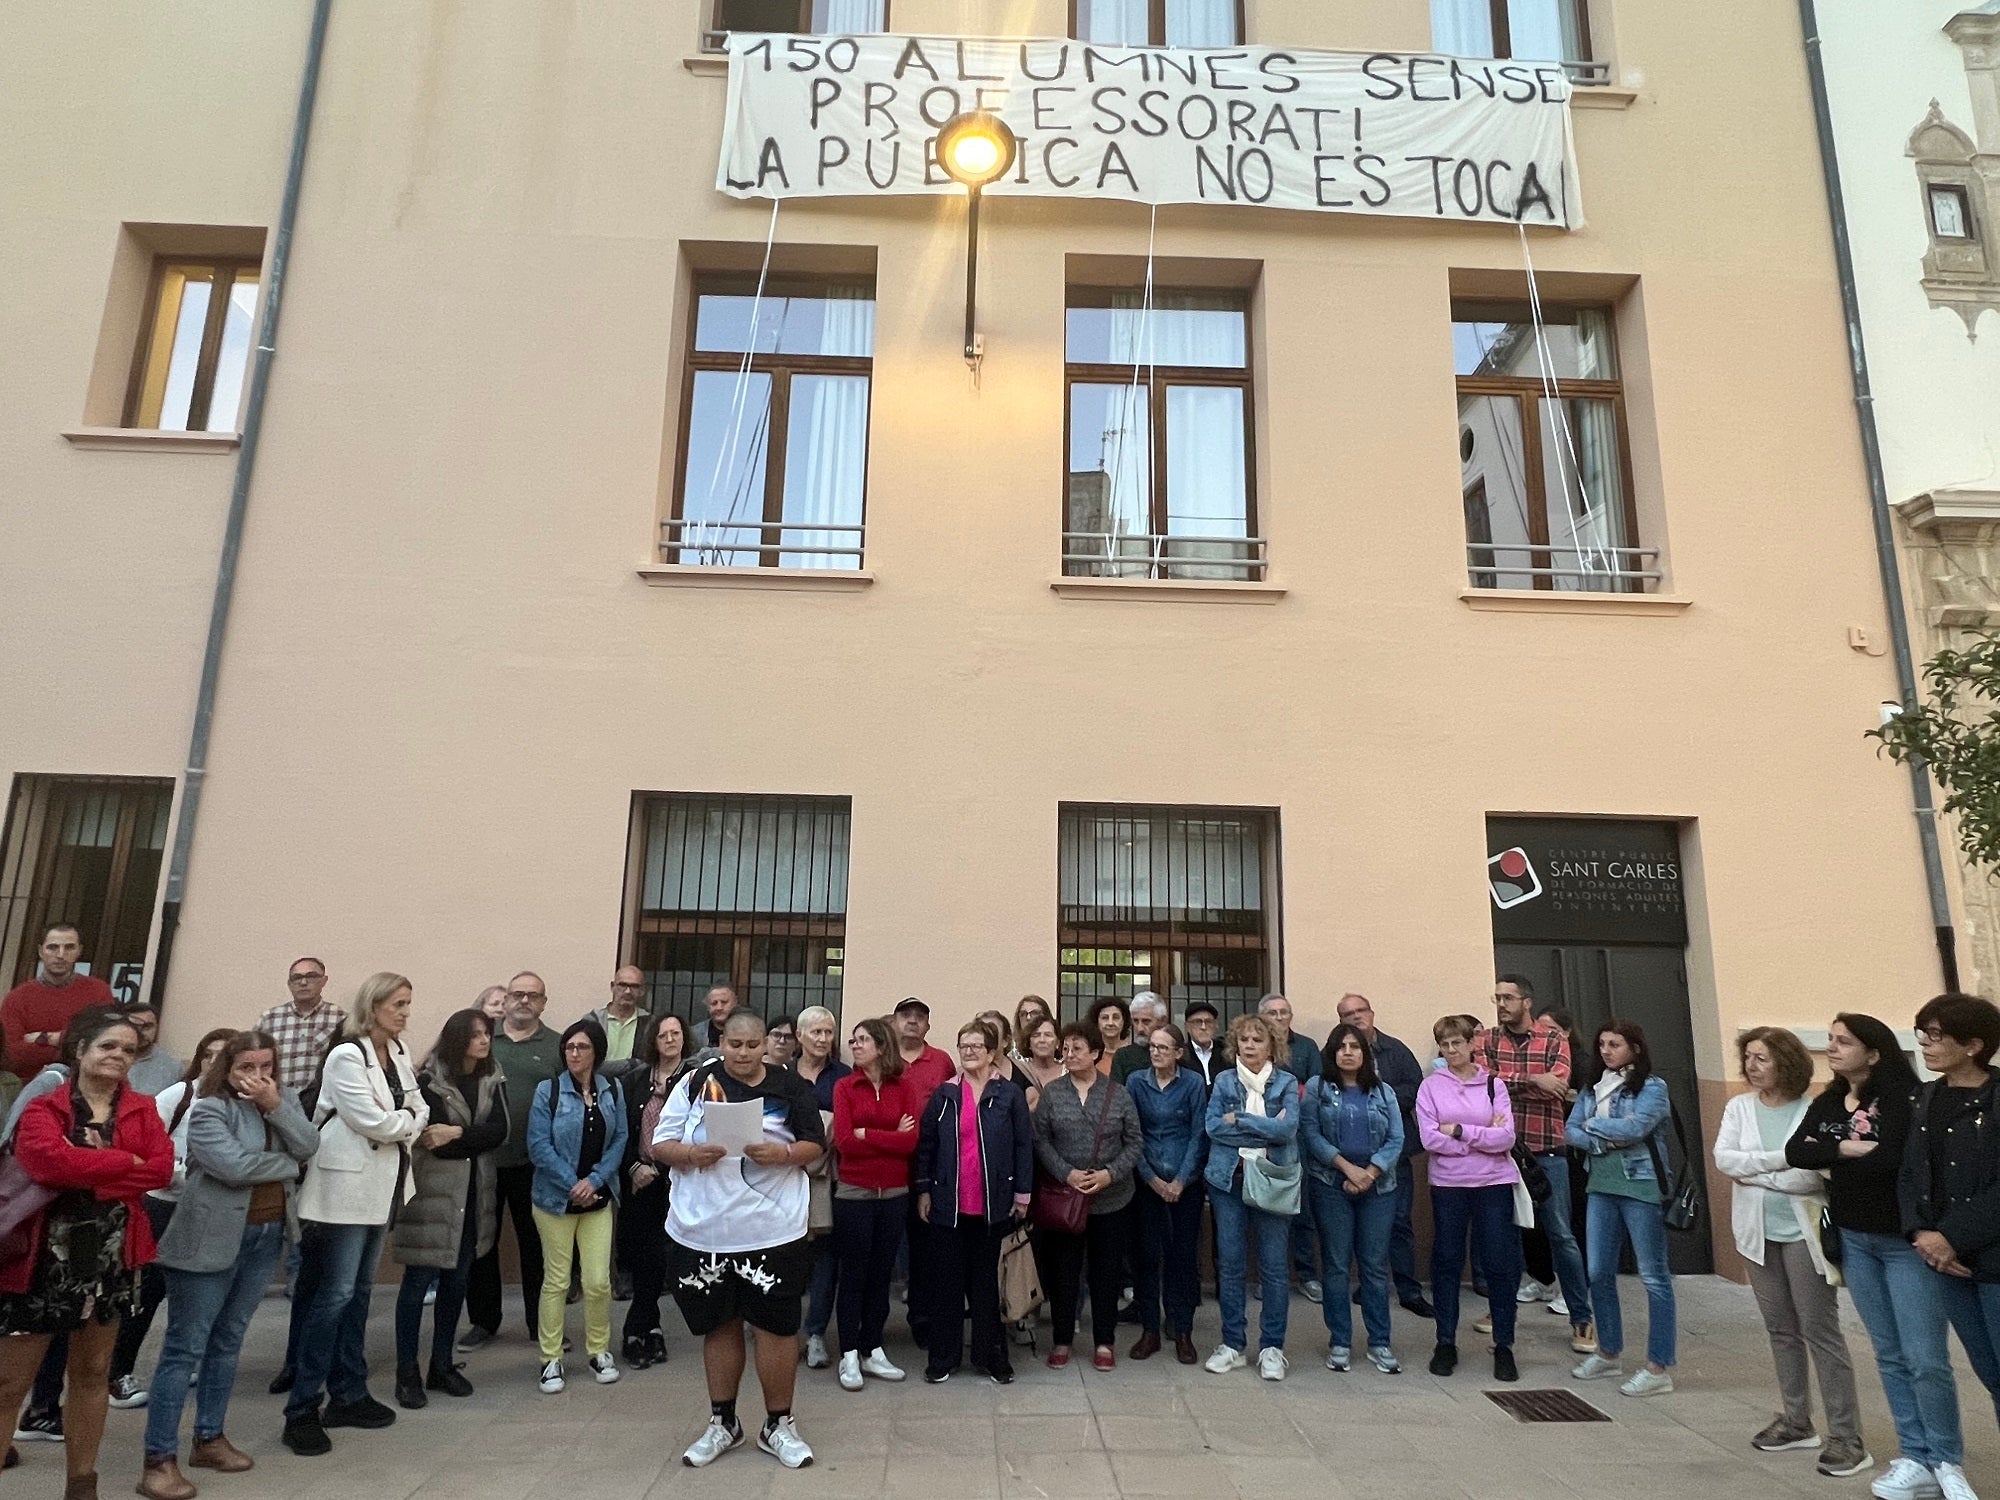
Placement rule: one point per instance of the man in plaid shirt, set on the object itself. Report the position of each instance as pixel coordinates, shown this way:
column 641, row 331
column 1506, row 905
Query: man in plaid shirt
column 1530, row 1054
column 304, row 1025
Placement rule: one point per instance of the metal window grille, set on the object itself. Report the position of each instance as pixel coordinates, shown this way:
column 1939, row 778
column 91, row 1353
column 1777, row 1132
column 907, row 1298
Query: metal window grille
column 1178, row 900
column 83, row 849
column 747, row 891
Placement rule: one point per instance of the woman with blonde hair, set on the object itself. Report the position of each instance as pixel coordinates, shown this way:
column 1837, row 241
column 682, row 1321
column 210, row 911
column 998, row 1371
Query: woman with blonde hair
column 369, row 1114
column 818, row 1063
column 1774, row 1210
column 1252, row 1124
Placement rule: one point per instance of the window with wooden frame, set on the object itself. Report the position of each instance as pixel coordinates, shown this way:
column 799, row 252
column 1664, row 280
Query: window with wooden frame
column 194, row 345
column 1544, row 456
column 1160, row 429
column 803, row 17
column 1158, row 23
column 1533, row 30
column 746, row 891
column 85, row 850
column 1181, row 901
column 774, row 425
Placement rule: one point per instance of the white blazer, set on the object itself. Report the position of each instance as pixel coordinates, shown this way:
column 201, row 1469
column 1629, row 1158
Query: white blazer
column 362, row 1136
column 1755, row 1173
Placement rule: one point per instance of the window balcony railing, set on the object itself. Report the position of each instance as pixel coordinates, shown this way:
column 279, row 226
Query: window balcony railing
column 1105, row 554
column 1588, row 74
column 761, row 544
column 1600, row 570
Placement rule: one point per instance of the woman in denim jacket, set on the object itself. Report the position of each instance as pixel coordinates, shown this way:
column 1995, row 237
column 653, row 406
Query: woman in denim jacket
column 576, row 1140
column 1615, row 1124
column 1172, row 1102
column 1252, row 1110
column 1352, row 1130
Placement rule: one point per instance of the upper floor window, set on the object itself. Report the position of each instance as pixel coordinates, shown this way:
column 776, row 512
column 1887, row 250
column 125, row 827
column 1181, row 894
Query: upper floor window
column 1159, row 436
column 1951, row 211
column 1543, row 452
column 774, row 426
column 1158, row 23
column 194, row 346
column 808, row 17
column 1533, row 30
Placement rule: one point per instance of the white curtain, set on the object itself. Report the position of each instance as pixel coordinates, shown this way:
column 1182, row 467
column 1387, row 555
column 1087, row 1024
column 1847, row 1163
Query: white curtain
column 1154, row 861
column 1118, row 22
column 706, row 854
column 1202, row 23
column 1544, row 30
column 826, row 451
column 846, row 17
column 1462, row 28
column 1587, row 497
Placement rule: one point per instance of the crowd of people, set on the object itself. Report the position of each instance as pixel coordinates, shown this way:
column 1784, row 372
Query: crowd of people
column 780, row 1193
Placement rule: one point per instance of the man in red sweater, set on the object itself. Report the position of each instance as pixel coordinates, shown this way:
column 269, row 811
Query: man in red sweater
column 36, row 1010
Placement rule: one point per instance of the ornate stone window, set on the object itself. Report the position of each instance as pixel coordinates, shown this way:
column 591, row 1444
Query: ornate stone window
column 1958, row 176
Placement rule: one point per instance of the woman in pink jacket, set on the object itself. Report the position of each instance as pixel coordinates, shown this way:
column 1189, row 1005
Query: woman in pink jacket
column 1468, row 1127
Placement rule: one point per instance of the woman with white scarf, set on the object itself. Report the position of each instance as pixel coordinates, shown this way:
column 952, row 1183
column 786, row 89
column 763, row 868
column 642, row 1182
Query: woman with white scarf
column 1252, row 1116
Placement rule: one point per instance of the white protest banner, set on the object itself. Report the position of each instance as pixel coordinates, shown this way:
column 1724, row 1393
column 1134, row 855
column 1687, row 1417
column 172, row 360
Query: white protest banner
column 1411, row 135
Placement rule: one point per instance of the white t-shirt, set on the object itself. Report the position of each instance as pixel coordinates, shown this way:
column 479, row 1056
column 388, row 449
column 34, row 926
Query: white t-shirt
column 737, row 1205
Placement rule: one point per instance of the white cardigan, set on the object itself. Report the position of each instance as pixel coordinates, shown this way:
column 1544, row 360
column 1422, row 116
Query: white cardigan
column 1755, row 1172
column 352, row 1178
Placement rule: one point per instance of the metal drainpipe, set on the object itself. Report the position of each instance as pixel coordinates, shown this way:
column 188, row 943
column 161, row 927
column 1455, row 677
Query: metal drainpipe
column 1878, row 494
column 239, row 504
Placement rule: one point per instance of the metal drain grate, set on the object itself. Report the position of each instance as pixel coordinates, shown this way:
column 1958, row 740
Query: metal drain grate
column 1546, row 1406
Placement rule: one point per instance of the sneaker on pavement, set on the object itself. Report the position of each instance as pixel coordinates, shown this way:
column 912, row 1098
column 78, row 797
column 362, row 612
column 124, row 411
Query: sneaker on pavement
column 127, row 1393
column 1504, row 1367
column 781, row 1440
column 1559, row 1305
column 1952, row 1483
column 1906, row 1479
column 879, row 1365
column 473, row 1338
column 1271, row 1364
column 850, row 1370
column 1315, row 1290
column 816, row 1356
column 1383, row 1358
column 1646, row 1383
column 1784, row 1436
column 306, row 1437
column 552, row 1377
column 1583, row 1338
column 40, row 1427
column 1843, row 1457
column 716, row 1439
column 1534, row 1291
column 1483, row 1325
column 605, row 1368
column 1597, row 1367
column 1225, row 1359
column 1339, row 1357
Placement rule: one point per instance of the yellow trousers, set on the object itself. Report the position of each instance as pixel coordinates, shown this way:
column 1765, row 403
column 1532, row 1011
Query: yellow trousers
column 566, row 1240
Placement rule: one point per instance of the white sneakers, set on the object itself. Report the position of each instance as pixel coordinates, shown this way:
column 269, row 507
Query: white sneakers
column 1384, row 1359
column 1271, row 1364
column 604, row 1368
column 1339, row 1358
column 1560, row 1306
column 850, row 1370
column 1534, row 1291
column 1952, row 1483
column 878, row 1364
column 782, row 1441
column 1906, row 1479
column 1647, row 1383
column 716, row 1439
column 816, row 1356
column 1226, row 1359
column 552, row 1377
column 1597, row 1367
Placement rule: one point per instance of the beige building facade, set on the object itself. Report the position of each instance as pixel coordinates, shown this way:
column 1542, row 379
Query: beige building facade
column 1236, row 713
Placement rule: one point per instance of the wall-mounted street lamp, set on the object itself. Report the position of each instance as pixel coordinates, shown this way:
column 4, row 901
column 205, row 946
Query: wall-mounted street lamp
column 975, row 148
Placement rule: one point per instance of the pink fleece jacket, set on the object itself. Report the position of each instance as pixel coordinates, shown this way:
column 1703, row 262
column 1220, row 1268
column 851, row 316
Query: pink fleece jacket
column 1481, row 1158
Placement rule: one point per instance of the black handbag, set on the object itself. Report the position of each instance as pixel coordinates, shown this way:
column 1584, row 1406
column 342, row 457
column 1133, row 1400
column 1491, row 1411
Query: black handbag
column 1830, row 1246
column 1534, row 1176
column 1680, row 1199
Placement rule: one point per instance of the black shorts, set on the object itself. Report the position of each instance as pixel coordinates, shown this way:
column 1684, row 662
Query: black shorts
column 765, row 1288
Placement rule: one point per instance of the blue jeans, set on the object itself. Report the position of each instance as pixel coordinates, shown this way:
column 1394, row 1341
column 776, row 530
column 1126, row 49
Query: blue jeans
column 338, row 1261
column 1305, row 1248
column 1496, row 1250
column 1902, row 1306
column 1167, row 1268
column 450, row 1282
column 820, row 1291
column 1553, row 1217
column 1353, row 1229
column 1611, row 1219
column 1403, row 1234
column 1974, row 1310
column 207, row 1315
column 1235, row 1223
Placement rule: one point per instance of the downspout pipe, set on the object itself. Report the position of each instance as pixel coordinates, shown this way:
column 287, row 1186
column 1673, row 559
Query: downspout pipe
column 1878, row 495
column 239, row 504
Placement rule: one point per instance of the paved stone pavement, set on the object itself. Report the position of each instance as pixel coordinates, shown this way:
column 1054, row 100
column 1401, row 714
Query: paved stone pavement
column 1152, row 1429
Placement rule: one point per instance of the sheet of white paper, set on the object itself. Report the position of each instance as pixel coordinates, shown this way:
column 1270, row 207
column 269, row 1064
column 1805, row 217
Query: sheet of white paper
column 733, row 1126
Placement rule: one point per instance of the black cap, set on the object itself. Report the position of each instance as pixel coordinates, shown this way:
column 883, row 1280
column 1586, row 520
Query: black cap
column 1201, row 1008
column 913, row 1003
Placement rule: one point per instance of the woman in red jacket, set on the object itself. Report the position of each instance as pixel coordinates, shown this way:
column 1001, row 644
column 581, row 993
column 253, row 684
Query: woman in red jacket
column 875, row 1135
column 73, row 1267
